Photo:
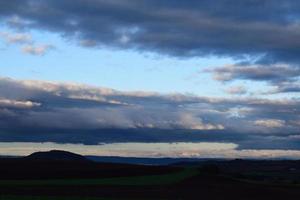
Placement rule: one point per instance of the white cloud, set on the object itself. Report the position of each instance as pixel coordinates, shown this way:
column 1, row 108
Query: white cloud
column 16, row 38
column 270, row 123
column 29, row 46
column 155, row 150
column 38, row 50
column 239, row 112
column 180, row 149
column 236, row 90
column 18, row 104
column 190, row 121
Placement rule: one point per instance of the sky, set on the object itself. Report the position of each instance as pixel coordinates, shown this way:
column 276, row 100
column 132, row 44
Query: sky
column 150, row 78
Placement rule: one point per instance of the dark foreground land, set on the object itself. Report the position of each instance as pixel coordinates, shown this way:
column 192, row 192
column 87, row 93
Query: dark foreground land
column 61, row 176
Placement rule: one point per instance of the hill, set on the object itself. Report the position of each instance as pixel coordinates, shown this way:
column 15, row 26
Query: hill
column 57, row 155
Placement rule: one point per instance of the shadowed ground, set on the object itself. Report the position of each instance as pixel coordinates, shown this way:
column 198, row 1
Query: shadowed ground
column 23, row 179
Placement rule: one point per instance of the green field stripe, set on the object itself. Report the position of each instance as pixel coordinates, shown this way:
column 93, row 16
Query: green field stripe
column 138, row 180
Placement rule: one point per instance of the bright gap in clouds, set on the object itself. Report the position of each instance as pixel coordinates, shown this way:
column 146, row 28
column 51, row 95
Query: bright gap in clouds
column 151, row 150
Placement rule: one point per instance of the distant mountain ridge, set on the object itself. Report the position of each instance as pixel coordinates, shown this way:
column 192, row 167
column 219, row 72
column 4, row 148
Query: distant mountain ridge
column 150, row 161
column 56, row 155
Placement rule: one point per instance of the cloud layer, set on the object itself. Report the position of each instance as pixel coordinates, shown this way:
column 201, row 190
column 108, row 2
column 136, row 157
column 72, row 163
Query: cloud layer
column 261, row 36
column 284, row 78
column 38, row 111
column 267, row 30
column 154, row 150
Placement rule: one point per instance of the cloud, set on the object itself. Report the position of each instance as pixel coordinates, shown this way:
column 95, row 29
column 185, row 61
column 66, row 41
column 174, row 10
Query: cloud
column 40, row 111
column 270, row 123
column 273, row 74
column 224, row 28
column 264, row 45
column 121, row 149
column 287, row 87
column 284, row 78
column 28, row 44
column 93, row 107
column 195, row 123
column 17, row 104
column 236, row 90
column 16, row 38
column 154, row 150
column 88, row 43
column 17, row 23
column 37, row 50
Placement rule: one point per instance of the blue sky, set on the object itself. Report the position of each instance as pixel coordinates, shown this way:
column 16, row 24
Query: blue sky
column 122, row 72
column 128, row 70
column 119, row 69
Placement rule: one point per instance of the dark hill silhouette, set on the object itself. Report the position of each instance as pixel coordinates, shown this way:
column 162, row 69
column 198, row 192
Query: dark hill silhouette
column 56, row 164
column 216, row 179
column 57, row 155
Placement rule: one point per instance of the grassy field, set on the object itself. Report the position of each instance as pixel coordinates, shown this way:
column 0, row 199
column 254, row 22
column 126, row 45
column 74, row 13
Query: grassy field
column 130, row 181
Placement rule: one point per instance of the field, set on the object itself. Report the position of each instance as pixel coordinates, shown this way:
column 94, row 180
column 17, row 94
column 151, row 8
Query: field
column 65, row 180
column 170, row 178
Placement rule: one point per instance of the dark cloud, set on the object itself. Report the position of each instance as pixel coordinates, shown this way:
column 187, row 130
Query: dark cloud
column 287, row 88
column 285, row 78
column 267, row 29
column 274, row 74
column 261, row 35
column 38, row 111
